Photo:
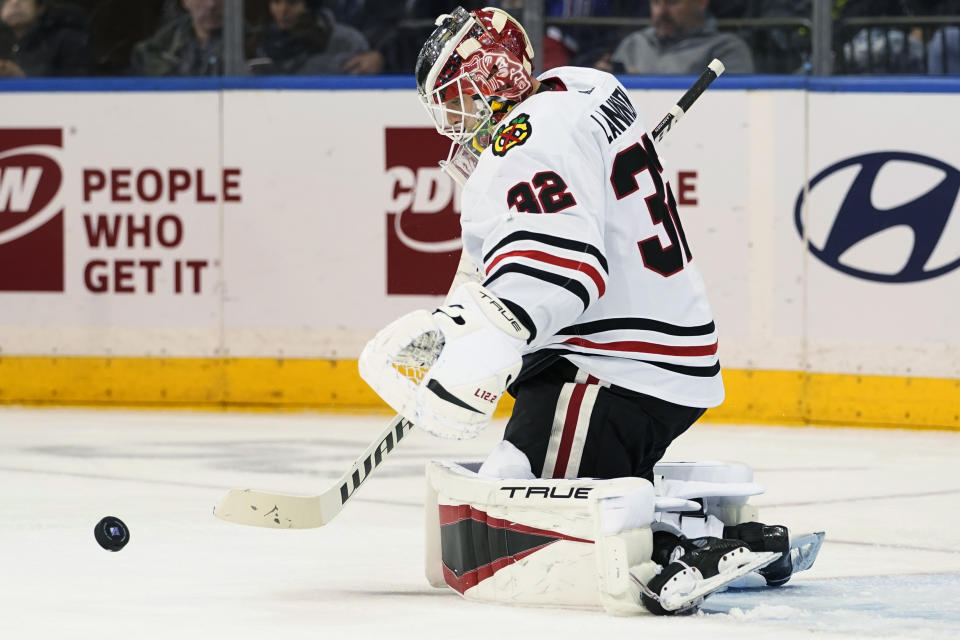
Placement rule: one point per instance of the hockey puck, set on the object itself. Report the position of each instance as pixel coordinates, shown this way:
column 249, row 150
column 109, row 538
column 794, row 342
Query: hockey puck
column 111, row 533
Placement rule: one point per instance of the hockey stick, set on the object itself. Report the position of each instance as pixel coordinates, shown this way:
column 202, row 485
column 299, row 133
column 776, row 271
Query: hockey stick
column 713, row 70
column 284, row 511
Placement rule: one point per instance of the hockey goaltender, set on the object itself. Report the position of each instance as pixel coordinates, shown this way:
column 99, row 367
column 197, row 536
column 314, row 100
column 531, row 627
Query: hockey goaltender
column 577, row 294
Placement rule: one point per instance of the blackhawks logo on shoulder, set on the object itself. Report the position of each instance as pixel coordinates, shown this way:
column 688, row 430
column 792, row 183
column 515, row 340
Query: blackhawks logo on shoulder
column 512, row 134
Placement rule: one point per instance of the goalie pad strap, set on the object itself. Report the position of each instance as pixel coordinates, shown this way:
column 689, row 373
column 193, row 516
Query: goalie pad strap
column 721, row 489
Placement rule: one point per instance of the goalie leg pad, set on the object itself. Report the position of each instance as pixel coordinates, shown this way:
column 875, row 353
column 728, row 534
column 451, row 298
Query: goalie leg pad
column 578, row 543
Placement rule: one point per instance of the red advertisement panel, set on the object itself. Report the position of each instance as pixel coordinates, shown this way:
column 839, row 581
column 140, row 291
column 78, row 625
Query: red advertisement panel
column 423, row 217
column 31, row 224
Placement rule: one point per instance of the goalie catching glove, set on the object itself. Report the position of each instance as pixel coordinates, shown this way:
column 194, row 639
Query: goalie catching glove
column 445, row 370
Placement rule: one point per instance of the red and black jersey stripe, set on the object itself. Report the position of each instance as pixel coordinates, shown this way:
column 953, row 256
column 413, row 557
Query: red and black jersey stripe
column 571, row 285
column 554, row 241
column 504, row 258
column 594, row 338
column 637, row 324
column 705, row 371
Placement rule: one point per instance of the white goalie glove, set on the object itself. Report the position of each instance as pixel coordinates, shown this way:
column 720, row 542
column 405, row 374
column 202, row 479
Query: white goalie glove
column 445, row 370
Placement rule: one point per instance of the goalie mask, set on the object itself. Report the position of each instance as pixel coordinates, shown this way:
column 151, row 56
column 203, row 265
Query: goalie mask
column 472, row 70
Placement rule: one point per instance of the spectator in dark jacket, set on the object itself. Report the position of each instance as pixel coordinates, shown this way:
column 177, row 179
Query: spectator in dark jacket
column 683, row 39
column 38, row 38
column 377, row 20
column 191, row 45
column 299, row 41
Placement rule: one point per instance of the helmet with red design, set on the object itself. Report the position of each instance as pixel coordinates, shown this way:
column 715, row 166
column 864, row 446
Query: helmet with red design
column 471, row 71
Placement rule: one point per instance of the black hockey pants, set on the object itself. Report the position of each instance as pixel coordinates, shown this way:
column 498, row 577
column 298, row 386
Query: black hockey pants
column 571, row 425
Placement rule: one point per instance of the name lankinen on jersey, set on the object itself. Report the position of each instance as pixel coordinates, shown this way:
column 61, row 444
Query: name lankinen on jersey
column 615, row 114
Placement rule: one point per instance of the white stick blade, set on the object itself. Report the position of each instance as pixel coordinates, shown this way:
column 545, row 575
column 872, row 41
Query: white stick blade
column 272, row 510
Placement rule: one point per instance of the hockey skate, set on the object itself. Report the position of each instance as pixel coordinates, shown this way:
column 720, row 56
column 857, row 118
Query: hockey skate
column 693, row 569
column 761, row 537
column 796, row 554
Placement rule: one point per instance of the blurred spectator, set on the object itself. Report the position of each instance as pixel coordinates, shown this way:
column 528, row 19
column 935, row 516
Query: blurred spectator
column 39, row 38
column 883, row 50
column 170, row 10
column 683, row 39
column 783, row 49
column 876, row 49
column 190, row 45
column 378, row 21
column 584, row 44
column 300, row 41
column 943, row 48
column 943, row 52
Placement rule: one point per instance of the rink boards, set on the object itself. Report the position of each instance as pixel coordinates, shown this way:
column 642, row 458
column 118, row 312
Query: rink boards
column 206, row 243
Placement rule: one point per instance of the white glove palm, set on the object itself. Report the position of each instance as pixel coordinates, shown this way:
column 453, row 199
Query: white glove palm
column 479, row 343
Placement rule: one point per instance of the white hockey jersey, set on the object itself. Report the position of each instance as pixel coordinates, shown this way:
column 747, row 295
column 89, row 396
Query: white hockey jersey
column 572, row 221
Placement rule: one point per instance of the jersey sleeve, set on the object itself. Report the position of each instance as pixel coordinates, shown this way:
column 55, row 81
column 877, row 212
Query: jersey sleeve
column 542, row 240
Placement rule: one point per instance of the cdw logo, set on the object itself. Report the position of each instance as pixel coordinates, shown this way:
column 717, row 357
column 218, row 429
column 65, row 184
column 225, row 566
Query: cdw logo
column 422, row 207
column 31, row 221
column 18, row 186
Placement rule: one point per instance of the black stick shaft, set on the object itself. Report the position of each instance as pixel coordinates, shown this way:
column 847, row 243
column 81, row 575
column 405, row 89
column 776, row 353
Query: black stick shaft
column 713, row 70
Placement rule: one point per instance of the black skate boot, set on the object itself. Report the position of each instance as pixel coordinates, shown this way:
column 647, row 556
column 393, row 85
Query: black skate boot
column 761, row 537
column 693, row 569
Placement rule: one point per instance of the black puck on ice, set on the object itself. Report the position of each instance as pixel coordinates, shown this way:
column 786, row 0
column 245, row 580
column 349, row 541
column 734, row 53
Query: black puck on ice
column 111, row 533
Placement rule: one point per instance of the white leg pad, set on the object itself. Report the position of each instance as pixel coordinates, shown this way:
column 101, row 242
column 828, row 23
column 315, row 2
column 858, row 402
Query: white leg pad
column 433, row 565
column 624, row 546
column 577, row 543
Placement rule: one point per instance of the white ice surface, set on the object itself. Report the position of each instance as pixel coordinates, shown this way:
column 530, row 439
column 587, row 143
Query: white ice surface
column 889, row 501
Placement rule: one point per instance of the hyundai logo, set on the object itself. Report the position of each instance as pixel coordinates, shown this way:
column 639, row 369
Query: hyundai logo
column 858, row 219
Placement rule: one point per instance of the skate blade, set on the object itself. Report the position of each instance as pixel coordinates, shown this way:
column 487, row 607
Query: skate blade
column 690, row 587
column 804, row 550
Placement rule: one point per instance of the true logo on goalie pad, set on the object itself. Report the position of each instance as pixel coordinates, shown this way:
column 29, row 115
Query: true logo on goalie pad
column 578, row 493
